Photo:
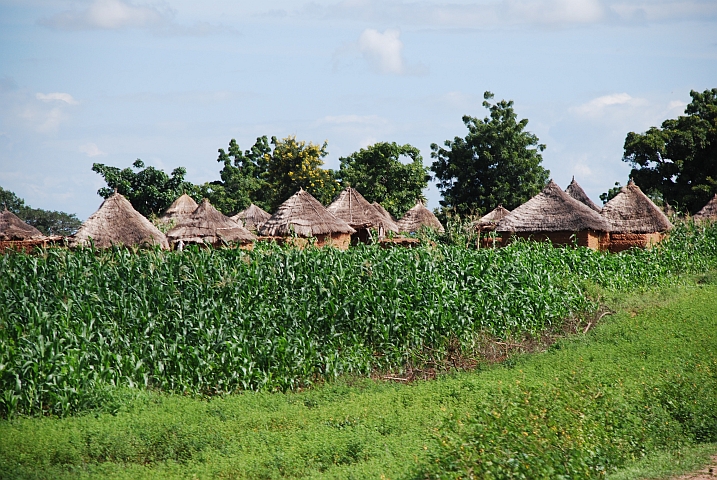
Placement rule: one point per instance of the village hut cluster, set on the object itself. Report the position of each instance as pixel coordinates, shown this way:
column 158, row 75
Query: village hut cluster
column 567, row 217
column 628, row 220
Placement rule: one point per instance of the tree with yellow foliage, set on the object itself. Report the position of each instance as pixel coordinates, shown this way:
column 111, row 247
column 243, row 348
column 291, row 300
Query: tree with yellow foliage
column 295, row 164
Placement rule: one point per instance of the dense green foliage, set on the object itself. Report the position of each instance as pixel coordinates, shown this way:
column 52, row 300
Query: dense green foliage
column 644, row 381
column 498, row 162
column 678, row 162
column 149, row 190
column 379, row 174
column 213, row 321
column 49, row 222
column 242, row 178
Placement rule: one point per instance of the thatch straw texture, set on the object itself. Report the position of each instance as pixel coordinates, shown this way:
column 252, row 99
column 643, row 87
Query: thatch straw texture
column 577, row 192
column 304, row 216
column 552, row 210
column 12, row 228
column 252, row 218
column 116, row 222
column 351, row 207
column 182, row 207
column 709, row 211
column 488, row 222
column 417, row 217
column 630, row 211
column 208, row 225
column 389, row 222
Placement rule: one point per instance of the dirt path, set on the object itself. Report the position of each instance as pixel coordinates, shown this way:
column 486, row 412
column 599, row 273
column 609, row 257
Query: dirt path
column 707, row 473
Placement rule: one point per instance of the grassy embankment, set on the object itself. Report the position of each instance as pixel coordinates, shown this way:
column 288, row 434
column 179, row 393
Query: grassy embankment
column 638, row 393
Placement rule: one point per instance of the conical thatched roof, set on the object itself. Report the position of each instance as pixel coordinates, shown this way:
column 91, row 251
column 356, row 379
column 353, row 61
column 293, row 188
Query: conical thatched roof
column 303, row 215
column 182, row 207
column 12, row 228
column 709, row 211
column 351, row 207
column 116, row 222
column 417, row 217
column 630, row 211
column 553, row 210
column 252, row 218
column 491, row 219
column 389, row 222
column 207, row 224
column 577, row 192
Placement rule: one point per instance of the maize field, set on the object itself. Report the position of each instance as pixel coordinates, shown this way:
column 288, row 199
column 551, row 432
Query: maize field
column 77, row 323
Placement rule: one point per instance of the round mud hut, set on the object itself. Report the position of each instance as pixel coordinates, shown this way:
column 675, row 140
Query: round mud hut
column 390, row 221
column 577, row 192
column 708, row 212
column 417, row 217
column 302, row 217
column 634, row 219
column 208, row 226
column 182, row 207
column 351, row 207
column 553, row 215
column 18, row 235
column 252, row 218
column 486, row 224
column 116, row 222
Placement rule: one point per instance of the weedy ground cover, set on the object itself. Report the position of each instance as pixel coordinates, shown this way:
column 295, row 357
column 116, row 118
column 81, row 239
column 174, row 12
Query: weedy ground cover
column 636, row 395
column 74, row 325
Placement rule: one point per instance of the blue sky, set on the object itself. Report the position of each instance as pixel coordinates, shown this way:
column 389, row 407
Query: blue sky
column 172, row 81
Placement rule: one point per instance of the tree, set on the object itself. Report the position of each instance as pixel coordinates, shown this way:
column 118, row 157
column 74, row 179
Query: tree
column 679, row 161
column 293, row 165
column 242, row 178
column 378, row 173
column 611, row 193
column 49, row 222
column 498, row 162
column 150, row 191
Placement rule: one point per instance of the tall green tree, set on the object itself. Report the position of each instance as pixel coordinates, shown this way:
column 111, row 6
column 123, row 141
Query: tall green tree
column 498, row 162
column 379, row 174
column 678, row 162
column 242, row 178
column 49, row 222
column 295, row 164
column 149, row 190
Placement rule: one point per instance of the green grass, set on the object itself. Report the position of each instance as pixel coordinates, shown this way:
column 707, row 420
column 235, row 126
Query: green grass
column 630, row 396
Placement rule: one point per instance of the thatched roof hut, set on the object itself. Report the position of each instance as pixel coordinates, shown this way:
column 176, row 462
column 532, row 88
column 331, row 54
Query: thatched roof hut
column 556, row 216
column 577, row 192
column 488, row 222
column 302, row 215
column 182, row 207
column 709, row 211
column 390, row 224
column 14, row 229
column 208, row 225
column 636, row 221
column 630, row 211
column 417, row 217
column 252, row 218
column 116, row 222
column 351, row 207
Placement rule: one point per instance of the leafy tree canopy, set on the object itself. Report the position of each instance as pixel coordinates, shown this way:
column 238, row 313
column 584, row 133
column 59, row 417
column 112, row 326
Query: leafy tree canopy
column 678, row 161
column 611, row 193
column 498, row 162
column 149, row 190
column 242, row 178
column 293, row 165
column 49, row 222
column 379, row 174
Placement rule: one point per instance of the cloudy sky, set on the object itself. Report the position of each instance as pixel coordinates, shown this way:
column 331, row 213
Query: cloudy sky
column 171, row 81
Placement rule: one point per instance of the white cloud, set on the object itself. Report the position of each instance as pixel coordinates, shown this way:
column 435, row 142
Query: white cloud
column 44, row 121
column 91, row 150
column 599, row 105
column 660, row 11
column 109, row 15
column 382, row 50
column 552, row 12
column 57, row 96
